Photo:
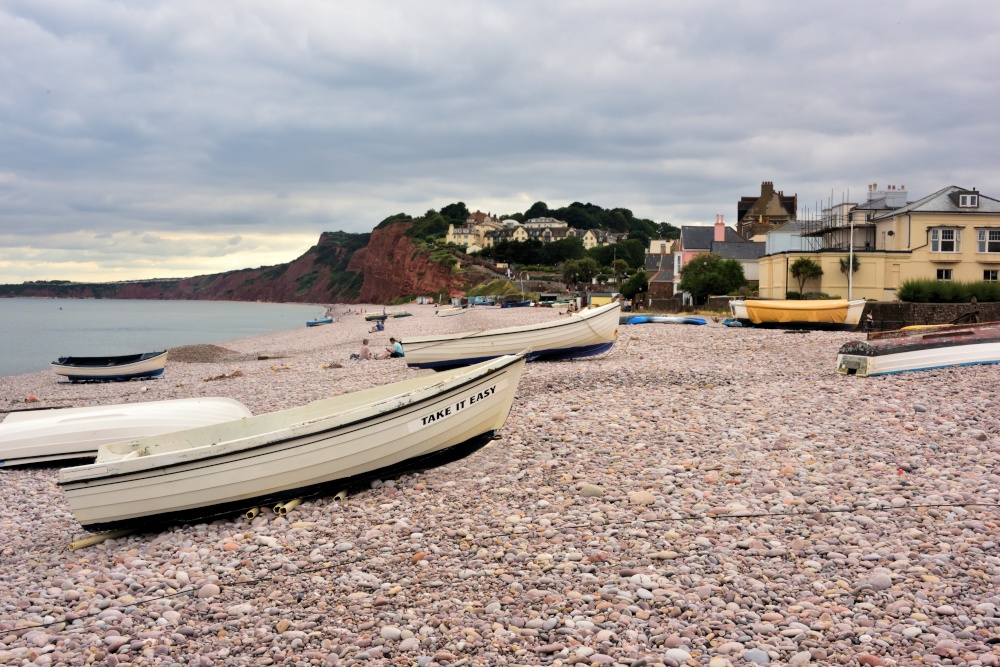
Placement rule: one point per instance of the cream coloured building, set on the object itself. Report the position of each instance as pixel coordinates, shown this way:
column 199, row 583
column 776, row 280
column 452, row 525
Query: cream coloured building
column 952, row 234
column 473, row 234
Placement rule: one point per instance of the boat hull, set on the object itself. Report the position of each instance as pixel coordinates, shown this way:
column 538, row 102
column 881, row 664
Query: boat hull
column 831, row 314
column 42, row 436
column 582, row 334
column 665, row 319
column 330, row 444
column 316, row 323
column 103, row 369
column 902, row 351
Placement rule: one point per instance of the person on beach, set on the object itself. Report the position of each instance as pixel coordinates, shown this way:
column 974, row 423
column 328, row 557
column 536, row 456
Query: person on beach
column 378, row 327
column 364, row 353
column 396, row 351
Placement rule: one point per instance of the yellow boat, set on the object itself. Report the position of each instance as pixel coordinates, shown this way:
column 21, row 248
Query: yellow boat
column 818, row 313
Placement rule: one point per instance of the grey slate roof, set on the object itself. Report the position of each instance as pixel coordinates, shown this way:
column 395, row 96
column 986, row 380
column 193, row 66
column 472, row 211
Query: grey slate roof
column 941, row 202
column 700, row 237
column 656, row 262
column 744, row 250
column 664, row 276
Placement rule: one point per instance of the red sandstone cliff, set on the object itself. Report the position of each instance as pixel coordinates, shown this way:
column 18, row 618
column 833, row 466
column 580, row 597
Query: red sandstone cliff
column 341, row 268
column 393, row 267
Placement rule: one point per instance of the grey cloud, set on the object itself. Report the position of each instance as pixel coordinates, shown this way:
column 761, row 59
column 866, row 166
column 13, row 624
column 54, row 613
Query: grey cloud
column 185, row 116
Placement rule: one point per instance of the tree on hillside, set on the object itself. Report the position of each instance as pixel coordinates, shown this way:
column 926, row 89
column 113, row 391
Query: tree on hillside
column 618, row 269
column 667, row 231
column 637, row 284
column 709, row 274
column 577, row 271
column 432, row 226
column 804, row 269
column 456, row 213
column 631, row 250
column 559, row 251
column 538, row 210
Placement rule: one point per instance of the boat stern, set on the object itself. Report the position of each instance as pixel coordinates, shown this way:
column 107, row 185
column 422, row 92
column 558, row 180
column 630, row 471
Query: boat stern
column 855, row 358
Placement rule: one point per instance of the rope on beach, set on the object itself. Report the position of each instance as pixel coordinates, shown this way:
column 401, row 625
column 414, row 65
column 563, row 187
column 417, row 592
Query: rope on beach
column 692, row 517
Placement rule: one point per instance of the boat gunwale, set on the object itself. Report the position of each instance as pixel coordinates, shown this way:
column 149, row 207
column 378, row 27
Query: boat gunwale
column 63, row 362
column 576, row 319
column 99, row 480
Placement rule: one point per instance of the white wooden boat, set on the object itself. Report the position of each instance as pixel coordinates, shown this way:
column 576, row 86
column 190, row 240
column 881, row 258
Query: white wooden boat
column 39, row 436
column 448, row 312
column 588, row 332
column 921, row 349
column 810, row 313
column 330, row 444
column 125, row 367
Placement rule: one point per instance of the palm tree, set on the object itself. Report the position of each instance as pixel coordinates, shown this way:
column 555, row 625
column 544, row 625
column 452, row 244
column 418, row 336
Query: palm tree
column 804, row 269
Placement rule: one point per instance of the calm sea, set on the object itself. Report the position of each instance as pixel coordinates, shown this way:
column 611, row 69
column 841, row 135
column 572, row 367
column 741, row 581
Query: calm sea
column 35, row 332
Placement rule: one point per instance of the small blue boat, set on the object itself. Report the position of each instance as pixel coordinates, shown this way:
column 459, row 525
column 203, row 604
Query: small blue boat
column 316, row 323
column 665, row 319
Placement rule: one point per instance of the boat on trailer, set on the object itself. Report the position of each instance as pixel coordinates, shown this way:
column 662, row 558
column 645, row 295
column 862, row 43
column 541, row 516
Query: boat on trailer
column 795, row 314
column 103, row 369
column 921, row 349
column 327, row 445
column 42, row 436
column 585, row 333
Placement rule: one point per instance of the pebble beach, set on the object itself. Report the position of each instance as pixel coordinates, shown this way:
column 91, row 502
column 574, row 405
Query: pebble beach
column 699, row 495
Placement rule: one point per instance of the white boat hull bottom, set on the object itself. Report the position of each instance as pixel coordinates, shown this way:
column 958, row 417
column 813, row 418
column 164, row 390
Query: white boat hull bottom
column 42, row 436
column 919, row 360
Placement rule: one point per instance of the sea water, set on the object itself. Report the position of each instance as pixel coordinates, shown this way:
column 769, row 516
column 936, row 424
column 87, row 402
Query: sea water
column 36, row 332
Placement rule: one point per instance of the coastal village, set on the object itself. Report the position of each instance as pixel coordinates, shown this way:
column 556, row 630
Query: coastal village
column 663, row 495
column 893, row 239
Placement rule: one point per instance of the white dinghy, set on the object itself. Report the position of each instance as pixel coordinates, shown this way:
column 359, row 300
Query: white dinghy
column 40, row 436
column 330, row 444
column 588, row 332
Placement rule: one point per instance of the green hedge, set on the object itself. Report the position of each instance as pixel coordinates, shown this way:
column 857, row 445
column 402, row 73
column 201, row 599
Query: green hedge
column 944, row 291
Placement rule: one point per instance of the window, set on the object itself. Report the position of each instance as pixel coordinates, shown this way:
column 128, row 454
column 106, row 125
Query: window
column 968, row 201
column 990, row 275
column 946, row 240
column 989, row 240
column 944, row 274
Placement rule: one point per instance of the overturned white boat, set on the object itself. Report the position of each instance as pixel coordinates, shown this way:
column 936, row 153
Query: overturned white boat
column 588, row 332
column 330, row 444
column 920, row 349
column 40, row 436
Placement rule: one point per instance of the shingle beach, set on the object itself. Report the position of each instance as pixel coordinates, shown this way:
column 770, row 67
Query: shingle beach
column 698, row 496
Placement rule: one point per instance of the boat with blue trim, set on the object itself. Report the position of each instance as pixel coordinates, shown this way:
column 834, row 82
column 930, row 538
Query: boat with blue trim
column 585, row 333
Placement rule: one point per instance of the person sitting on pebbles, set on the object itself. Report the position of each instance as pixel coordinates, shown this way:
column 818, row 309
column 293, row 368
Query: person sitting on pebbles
column 364, row 353
column 396, row 351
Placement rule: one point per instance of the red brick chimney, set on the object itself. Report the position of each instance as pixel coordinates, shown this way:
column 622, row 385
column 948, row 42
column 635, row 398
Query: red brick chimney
column 720, row 228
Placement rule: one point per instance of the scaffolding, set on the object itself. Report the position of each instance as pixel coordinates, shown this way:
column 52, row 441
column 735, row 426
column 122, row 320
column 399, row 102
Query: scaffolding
column 833, row 223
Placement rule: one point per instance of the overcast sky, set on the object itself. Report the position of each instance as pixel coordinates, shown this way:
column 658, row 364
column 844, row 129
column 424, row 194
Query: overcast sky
column 147, row 139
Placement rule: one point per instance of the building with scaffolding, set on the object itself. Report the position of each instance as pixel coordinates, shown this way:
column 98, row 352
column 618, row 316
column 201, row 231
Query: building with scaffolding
column 951, row 234
column 841, row 226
